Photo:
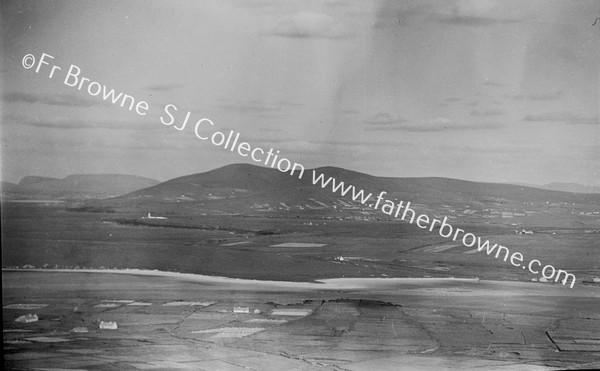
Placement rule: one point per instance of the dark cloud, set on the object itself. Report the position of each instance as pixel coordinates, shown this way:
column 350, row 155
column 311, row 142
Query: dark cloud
column 488, row 112
column 163, row 87
column 564, row 116
column 270, row 130
column 473, row 21
column 491, row 83
column 304, row 25
column 258, row 108
column 75, row 124
column 546, row 96
column 253, row 107
column 348, row 111
column 475, row 13
column 287, row 104
column 54, row 100
column 384, row 119
column 437, row 125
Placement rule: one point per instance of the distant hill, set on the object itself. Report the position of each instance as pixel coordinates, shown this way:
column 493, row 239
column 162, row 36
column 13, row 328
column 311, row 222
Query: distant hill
column 250, row 189
column 564, row 187
column 79, row 186
column 571, row 187
column 32, row 179
column 9, row 187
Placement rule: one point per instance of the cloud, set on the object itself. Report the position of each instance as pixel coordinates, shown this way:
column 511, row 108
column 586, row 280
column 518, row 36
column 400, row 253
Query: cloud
column 253, row 107
column 439, row 124
column 452, row 99
column 163, row 87
column 564, row 116
column 384, row 119
column 309, row 25
column 75, row 124
column 475, row 13
column 54, row 100
column 258, row 108
column 348, row 111
column 269, row 130
column 301, row 148
column 488, row 112
column 546, row 96
column 468, row 21
column 400, row 14
column 491, row 83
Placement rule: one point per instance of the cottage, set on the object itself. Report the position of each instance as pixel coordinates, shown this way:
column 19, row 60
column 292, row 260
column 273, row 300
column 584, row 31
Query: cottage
column 28, row 318
column 108, row 325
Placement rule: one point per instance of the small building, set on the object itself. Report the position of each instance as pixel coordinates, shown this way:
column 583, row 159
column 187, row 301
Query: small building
column 241, row 310
column 299, row 312
column 28, row 318
column 150, row 216
column 108, row 325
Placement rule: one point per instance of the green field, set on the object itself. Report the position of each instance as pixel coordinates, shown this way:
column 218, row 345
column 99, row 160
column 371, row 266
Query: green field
column 60, row 236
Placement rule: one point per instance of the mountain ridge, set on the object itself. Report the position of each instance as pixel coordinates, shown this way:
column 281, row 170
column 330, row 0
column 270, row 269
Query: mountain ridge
column 256, row 190
column 78, row 186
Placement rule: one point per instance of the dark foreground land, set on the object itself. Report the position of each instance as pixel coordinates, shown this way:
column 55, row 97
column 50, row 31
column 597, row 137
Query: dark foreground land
column 491, row 316
column 350, row 324
column 288, row 248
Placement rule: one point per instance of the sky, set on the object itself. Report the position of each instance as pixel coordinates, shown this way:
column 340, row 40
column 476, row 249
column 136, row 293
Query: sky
column 482, row 90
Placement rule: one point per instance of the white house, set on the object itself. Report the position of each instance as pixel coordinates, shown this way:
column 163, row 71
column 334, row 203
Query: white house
column 108, row 325
column 28, row 318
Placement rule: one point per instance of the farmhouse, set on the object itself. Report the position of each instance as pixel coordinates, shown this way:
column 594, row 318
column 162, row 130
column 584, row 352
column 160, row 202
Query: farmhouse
column 108, row 325
column 28, row 318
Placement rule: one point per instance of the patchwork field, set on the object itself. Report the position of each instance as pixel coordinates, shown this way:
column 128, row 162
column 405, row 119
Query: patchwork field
column 350, row 324
column 333, row 294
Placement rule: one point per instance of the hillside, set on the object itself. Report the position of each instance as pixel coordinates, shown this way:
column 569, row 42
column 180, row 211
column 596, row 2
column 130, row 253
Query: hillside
column 571, row 187
column 9, row 187
column 252, row 190
column 33, row 179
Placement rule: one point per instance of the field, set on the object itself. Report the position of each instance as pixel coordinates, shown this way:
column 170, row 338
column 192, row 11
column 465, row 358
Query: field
column 175, row 322
column 286, row 248
column 331, row 301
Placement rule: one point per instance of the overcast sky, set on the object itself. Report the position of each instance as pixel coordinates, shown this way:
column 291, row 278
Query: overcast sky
column 498, row 91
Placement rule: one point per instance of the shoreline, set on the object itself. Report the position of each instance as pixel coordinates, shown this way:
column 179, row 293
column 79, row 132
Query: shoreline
column 318, row 283
column 376, row 286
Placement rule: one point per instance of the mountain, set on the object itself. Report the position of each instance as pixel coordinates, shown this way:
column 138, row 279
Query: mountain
column 571, row 187
column 32, row 179
column 80, row 186
column 254, row 190
column 8, row 187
